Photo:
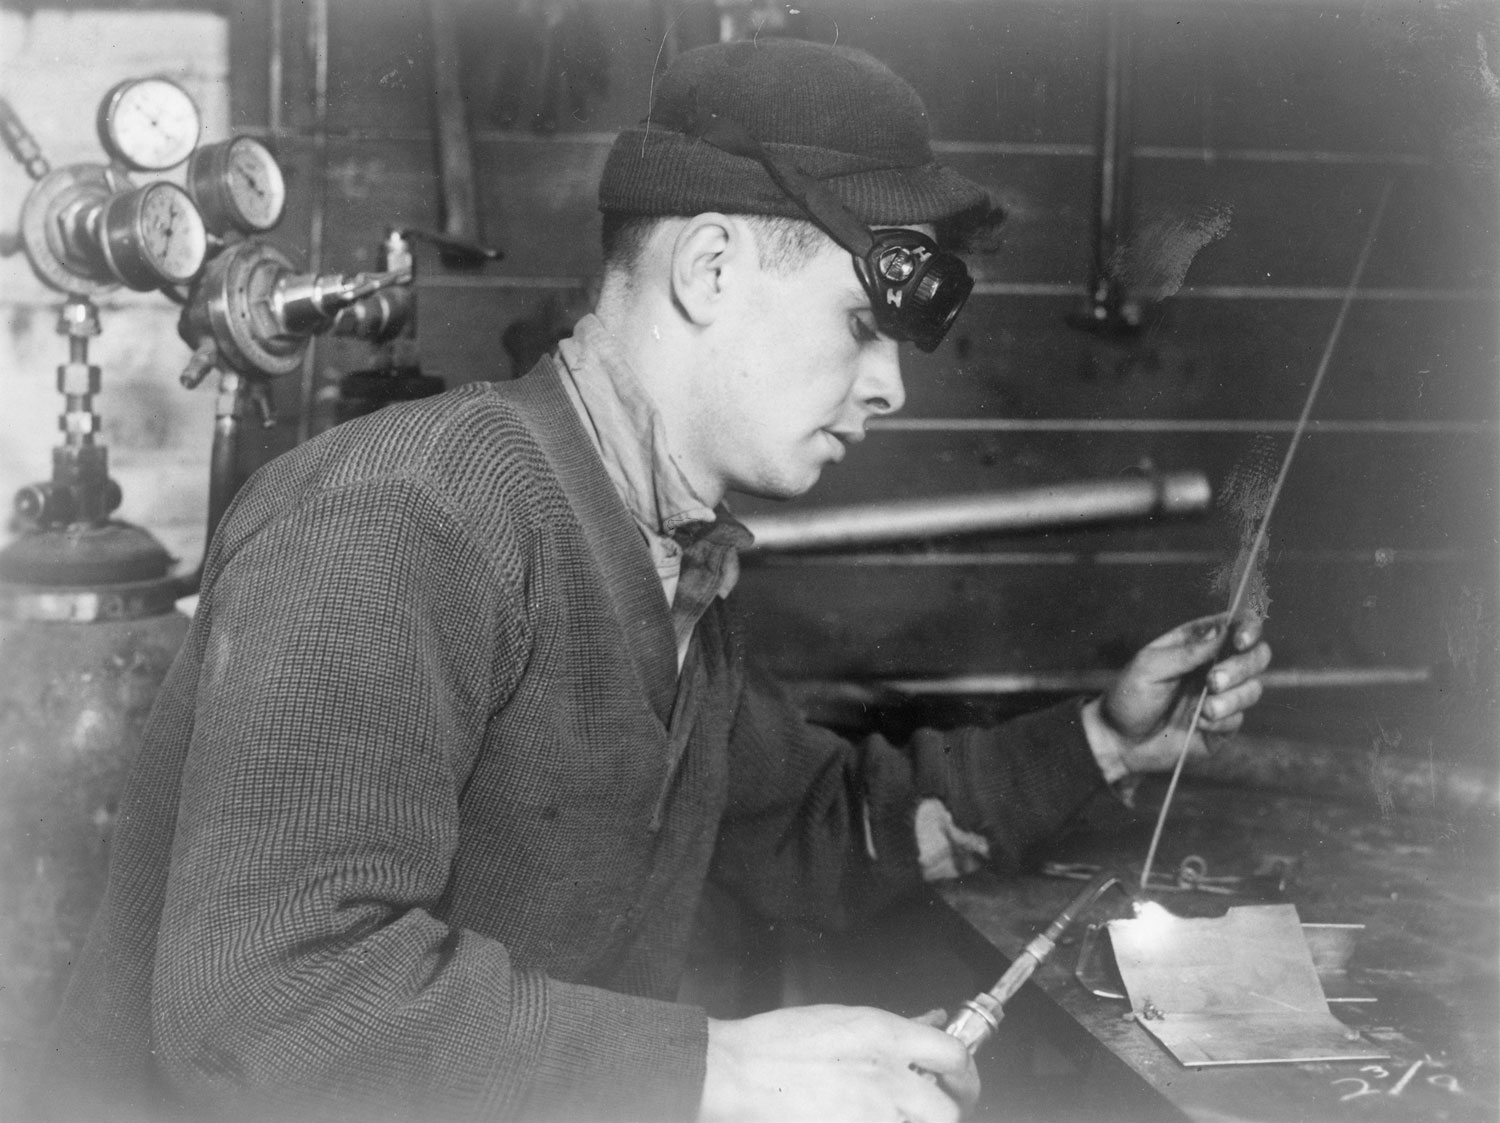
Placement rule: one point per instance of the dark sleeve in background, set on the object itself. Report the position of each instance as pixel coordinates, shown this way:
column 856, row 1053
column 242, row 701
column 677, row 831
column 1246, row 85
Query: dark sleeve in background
column 819, row 830
column 1017, row 783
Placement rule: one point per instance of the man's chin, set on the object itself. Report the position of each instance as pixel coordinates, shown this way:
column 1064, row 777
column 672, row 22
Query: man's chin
column 782, row 487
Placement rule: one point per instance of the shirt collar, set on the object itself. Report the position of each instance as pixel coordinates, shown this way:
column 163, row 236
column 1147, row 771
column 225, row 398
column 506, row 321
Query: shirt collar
column 628, row 432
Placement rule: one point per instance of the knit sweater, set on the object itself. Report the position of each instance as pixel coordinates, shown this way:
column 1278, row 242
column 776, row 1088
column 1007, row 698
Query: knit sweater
column 424, row 810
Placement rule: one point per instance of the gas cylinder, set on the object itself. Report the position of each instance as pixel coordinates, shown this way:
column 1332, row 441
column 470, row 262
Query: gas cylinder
column 88, row 630
column 73, row 700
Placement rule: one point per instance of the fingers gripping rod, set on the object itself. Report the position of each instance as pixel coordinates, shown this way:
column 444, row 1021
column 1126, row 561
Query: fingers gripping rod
column 980, row 1016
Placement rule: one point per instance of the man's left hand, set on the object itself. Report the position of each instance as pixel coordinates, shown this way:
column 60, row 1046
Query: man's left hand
column 1150, row 705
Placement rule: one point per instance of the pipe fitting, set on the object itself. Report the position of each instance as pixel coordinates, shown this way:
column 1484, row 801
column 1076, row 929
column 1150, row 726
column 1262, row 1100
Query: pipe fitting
column 78, row 424
column 78, row 379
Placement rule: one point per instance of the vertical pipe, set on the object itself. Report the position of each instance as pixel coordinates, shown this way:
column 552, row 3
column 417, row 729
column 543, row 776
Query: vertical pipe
column 1110, row 308
column 1122, row 84
column 78, row 354
column 1105, row 234
column 223, row 472
column 274, row 77
column 223, row 462
column 317, row 39
column 80, row 320
column 455, row 155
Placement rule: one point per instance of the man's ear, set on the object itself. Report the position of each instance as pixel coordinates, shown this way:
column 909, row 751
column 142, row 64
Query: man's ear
column 705, row 255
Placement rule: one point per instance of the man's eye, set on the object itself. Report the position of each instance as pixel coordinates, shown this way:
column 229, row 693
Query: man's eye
column 863, row 329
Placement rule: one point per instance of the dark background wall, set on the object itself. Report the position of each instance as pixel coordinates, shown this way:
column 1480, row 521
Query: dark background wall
column 1264, row 136
column 1265, row 132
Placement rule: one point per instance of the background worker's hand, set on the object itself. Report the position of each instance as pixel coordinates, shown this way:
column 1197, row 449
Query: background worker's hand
column 1148, row 709
column 829, row 1064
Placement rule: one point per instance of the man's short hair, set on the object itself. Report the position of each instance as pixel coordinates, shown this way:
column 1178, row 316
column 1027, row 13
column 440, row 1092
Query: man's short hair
column 783, row 245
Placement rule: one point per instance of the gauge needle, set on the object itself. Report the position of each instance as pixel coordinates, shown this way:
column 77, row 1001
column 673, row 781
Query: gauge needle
column 171, row 223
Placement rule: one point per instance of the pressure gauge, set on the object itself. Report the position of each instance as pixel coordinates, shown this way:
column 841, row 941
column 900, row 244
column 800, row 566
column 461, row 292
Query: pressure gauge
column 237, row 185
column 151, row 124
column 152, row 236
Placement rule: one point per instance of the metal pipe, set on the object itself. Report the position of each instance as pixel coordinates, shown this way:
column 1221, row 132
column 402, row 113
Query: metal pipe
column 1056, row 505
column 1167, row 425
column 318, row 47
column 1110, row 308
column 223, row 465
column 455, row 153
column 223, row 480
column 1380, row 557
column 1092, row 682
column 274, row 71
column 1113, row 155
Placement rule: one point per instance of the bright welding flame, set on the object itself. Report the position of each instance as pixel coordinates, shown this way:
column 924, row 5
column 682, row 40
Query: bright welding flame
column 1151, row 917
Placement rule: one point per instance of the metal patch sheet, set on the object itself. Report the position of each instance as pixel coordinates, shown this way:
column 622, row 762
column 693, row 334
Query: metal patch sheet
column 1239, row 989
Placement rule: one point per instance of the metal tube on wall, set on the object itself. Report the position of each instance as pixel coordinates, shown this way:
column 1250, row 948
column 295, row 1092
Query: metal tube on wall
column 1094, row 681
column 317, row 46
column 1056, row 505
column 1110, row 309
column 223, row 467
column 274, row 71
column 455, row 153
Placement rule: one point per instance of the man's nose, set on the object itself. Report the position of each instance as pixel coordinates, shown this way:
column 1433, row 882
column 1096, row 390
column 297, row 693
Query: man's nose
column 879, row 387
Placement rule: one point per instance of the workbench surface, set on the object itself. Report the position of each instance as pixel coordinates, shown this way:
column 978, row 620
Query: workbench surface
column 1425, row 888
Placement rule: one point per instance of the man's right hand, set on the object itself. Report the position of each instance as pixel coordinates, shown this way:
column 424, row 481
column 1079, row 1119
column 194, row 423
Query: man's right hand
column 824, row 1064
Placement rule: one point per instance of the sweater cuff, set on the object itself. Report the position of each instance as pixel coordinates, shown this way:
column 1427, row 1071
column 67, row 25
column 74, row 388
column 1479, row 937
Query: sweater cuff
column 1109, row 751
column 612, row 1056
column 1016, row 783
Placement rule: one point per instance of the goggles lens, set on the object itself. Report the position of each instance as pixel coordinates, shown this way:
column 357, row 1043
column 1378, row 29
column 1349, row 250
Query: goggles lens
column 916, row 289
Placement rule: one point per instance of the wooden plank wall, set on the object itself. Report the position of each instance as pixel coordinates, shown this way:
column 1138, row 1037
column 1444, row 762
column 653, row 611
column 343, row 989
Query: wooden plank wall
column 1264, row 135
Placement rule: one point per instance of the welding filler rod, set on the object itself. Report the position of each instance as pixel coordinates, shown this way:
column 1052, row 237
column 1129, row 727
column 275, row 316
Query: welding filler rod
column 980, row 1016
column 1252, row 554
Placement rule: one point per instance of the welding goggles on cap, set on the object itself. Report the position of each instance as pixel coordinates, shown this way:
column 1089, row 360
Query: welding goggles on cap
column 916, row 288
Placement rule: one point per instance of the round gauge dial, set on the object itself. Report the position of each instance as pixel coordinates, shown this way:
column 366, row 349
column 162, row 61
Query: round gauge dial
column 238, row 185
column 153, row 236
column 149, row 123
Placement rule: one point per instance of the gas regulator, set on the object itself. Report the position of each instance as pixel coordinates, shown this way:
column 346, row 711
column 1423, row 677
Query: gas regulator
column 248, row 311
column 87, row 228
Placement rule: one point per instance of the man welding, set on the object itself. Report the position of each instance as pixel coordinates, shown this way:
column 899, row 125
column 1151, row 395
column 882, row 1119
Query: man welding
column 463, row 727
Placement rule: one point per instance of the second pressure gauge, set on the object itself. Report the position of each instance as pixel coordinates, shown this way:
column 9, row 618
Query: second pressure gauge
column 150, row 124
column 152, row 236
column 238, row 185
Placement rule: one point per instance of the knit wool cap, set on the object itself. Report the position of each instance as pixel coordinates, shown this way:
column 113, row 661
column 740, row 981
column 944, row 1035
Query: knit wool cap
column 838, row 114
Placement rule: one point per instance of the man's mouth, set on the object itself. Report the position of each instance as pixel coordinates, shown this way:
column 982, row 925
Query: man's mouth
column 842, row 439
column 846, row 437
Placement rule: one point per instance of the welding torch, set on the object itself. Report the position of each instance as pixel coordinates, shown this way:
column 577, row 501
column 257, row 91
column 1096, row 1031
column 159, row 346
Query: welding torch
column 980, row 1016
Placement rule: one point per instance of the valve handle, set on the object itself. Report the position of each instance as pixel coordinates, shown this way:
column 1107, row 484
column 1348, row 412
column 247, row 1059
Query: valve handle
column 455, row 252
column 202, row 362
column 260, row 398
